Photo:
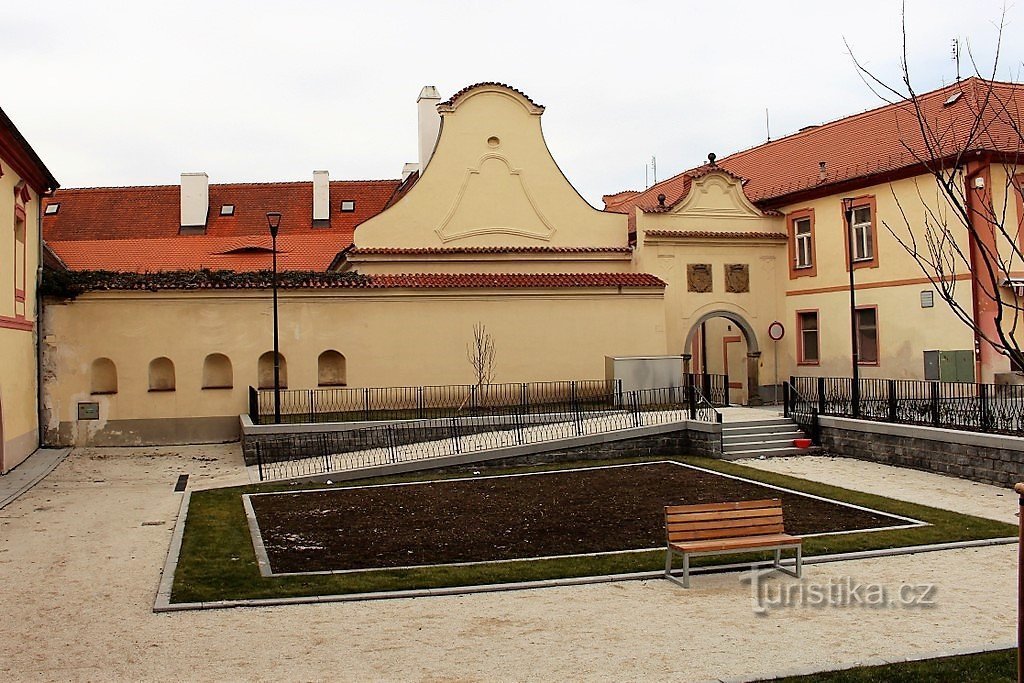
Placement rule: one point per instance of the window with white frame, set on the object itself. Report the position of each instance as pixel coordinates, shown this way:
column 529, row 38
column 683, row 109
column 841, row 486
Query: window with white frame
column 860, row 227
column 802, row 243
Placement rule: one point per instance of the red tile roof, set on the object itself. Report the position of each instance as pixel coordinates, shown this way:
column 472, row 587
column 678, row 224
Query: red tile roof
column 465, row 91
column 513, row 280
column 186, row 280
column 137, row 228
column 859, row 147
column 712, row 234
column 359, row 251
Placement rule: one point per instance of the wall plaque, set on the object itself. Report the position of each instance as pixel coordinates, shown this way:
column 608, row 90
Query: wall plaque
column 698, row 277
column 88, row 411
column 737, row 277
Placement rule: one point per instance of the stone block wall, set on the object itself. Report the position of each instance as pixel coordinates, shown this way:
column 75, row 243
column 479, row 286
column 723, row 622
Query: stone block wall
column 985, row 458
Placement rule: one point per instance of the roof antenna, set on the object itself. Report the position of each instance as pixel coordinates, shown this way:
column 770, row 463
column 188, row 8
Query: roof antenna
column 767, row 127
column 956, row 57
column 654, row 168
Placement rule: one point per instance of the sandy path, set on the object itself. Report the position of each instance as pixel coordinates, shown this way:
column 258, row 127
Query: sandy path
column 80, row 556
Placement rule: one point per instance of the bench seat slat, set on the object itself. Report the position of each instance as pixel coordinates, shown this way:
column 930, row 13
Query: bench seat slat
column 718, row 507
column 759, row 541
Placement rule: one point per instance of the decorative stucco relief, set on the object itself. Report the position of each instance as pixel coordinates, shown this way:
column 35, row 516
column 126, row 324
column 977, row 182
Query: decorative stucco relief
column 717, row 195
column 494, row 199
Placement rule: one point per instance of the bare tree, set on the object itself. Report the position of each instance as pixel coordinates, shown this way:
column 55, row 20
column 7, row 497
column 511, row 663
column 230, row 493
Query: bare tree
column 480, row 354
column 960, row 229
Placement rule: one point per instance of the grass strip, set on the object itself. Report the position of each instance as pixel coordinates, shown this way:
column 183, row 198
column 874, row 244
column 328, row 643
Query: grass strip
column 217, row 561
column 999, row 666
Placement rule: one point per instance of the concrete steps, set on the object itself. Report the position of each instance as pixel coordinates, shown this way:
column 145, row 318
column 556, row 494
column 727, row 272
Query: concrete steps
column 772, row 437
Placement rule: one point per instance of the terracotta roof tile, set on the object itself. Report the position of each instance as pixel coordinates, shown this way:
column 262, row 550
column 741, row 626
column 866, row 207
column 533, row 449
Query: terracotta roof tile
column 712, row 234
column 136, row 228
column 513, row 280
column 488, row 250
column 873, row 143
column 454, row 98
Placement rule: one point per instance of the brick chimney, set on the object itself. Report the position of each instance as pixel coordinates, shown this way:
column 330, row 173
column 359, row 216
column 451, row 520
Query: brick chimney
column 321, row 196
column 195, row 202
column 429, row 123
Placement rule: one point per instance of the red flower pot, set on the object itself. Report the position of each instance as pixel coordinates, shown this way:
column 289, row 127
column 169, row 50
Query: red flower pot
column 802, row 443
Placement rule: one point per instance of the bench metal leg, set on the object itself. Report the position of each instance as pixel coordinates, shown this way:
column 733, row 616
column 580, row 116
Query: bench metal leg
column 798, row 569
column 686, row 570
column 669, row 555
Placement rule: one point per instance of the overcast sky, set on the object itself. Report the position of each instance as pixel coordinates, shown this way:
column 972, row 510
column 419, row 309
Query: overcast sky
column 134, row 93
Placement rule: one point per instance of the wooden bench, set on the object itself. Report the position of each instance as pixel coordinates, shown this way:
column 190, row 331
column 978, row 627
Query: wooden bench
column 721, row 528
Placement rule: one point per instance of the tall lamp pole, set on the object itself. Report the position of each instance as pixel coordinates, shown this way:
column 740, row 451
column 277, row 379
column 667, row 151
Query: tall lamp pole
column 855, row 355
column 274, row 221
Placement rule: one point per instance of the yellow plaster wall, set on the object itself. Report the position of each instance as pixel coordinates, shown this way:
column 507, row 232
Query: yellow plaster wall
column 388, row 339
column 905, row 329
column 17, row 347
column 492, row 182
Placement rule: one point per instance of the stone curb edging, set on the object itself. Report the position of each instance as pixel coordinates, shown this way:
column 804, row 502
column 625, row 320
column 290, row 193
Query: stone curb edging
column 877, row 661
column 163, row 593
column 163, row 604
column 60, row 456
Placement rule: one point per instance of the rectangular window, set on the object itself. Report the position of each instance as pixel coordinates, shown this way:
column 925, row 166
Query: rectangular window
column 867, row 335
column 801, row 243
column 808, row 352
column 802, row 246
column 861, row 227
column 348, row 205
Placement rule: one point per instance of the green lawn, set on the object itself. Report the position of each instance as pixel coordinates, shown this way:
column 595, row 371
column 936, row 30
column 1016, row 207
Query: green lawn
column 217, row 560
column 999, row 666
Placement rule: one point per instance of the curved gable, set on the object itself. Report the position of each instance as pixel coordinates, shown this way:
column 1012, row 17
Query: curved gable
column 492, row 182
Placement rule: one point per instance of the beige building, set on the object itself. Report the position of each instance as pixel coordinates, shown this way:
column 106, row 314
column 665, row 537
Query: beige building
column 23, row 181
column 738, row 265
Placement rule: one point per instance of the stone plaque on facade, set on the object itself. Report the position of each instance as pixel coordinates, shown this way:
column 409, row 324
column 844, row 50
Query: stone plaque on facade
column 737, row 277
column 88, row 411
column 698, row 277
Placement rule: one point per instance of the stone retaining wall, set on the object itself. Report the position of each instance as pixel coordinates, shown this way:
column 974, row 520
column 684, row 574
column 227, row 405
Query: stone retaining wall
column 986, row 458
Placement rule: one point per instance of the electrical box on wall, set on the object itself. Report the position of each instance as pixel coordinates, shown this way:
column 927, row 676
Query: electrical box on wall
column 949, row 366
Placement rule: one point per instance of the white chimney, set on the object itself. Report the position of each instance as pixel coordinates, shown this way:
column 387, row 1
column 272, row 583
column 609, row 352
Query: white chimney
column 195, row 199
column 321, row 196
column 429, row 123
column 408, row 170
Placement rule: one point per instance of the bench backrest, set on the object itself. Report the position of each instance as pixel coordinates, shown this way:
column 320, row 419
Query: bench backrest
column 723, row 520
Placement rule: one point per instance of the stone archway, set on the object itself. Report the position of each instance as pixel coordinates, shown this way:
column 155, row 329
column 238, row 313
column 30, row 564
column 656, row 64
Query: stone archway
column 753, row 350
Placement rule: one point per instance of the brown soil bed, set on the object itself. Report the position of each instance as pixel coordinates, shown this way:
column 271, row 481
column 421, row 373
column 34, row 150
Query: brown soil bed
column 484, row 519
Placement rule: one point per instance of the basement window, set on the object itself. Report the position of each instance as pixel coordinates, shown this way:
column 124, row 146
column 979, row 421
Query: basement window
column 52, row 209
column 227, row 210
column 348, row 205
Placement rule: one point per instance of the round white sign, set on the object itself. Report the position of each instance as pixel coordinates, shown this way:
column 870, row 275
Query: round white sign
column 776, row 331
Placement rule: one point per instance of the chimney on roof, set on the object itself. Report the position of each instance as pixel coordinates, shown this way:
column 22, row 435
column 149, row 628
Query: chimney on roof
column 195, row 201
column 822, row 174
column 321, row 196
column 429, row 123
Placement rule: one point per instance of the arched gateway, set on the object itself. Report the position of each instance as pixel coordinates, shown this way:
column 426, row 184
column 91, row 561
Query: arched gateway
column 753, row 350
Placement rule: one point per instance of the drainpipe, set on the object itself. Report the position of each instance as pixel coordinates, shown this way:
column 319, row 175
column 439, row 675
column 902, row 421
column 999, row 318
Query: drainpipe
column 39, row 320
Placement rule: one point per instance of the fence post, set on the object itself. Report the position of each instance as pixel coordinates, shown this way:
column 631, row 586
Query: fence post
column 727, row 403
column 892, row 399
column 785, row 399
column 454, row 422
column 419, row 402
column 524, row 397
column 855, row 396
column 259, row 459
column 983, row 405
column 691, row 399
column 935, row 404
column 254, row 404
column 821, row 395
column 706, row 385
column 366, row 404
column 635, row 405
column 312, row 406
column 391, row 443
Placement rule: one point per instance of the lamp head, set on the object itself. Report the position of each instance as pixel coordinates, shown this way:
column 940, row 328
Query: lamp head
column 274, row 221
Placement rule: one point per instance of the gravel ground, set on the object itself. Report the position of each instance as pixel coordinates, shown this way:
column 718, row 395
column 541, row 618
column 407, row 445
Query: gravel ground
column 80, row 557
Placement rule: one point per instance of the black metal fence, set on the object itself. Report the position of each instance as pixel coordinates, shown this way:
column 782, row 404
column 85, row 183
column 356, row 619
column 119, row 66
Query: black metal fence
column 994, row 408
column 418, row 403
column 295, row 455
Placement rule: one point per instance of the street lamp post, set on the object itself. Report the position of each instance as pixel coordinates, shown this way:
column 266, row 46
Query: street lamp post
column 855, row 350
column 274, row 221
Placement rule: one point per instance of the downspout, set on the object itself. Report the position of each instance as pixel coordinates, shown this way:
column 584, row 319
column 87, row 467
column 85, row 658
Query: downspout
column 41, row 428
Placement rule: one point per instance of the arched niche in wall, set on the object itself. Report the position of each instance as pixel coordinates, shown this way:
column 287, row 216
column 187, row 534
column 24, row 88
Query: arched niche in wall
column 330, row 369
column 266, row 371
column 103, row 377
column 161, row 374
column 217, row 372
